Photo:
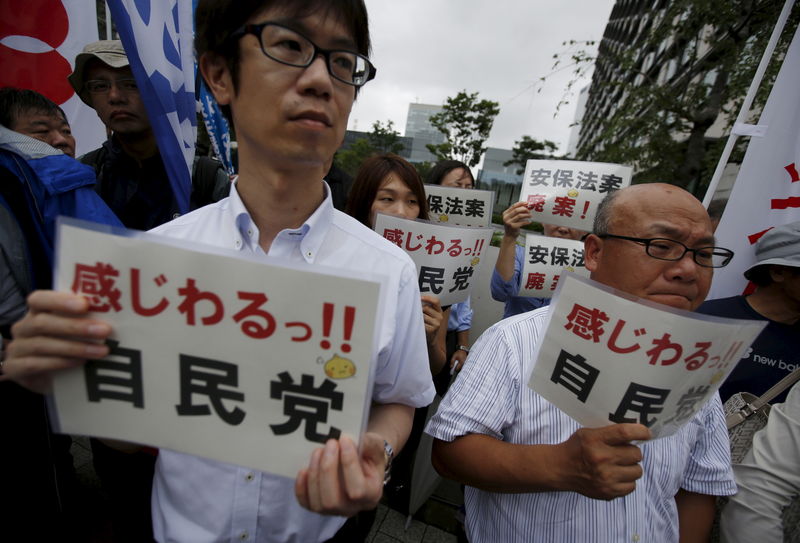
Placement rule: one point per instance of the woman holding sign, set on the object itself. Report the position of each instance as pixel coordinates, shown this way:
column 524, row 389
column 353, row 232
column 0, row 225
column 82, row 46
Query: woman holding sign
column 389, row 184
column 454, row 173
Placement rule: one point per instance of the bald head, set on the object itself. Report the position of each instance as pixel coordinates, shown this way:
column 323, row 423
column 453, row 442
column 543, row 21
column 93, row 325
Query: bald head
column 651, row 211
column 644, row 195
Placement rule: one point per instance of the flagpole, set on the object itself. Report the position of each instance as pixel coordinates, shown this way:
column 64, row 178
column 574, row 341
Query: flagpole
column 748, row 100
column 108, row 22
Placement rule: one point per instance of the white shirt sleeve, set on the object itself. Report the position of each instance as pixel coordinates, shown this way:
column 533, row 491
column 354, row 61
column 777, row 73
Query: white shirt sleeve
column 403, row 374
column 768, row 478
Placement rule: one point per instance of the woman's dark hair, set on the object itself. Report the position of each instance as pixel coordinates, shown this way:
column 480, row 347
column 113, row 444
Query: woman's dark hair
column 369, row 178
column 216, row 20
column 444, row 167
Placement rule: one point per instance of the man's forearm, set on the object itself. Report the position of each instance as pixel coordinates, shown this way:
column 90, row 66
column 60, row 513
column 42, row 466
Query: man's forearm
column 391, row 421
column 513, row 468
column 596, row 462
column 695, row 516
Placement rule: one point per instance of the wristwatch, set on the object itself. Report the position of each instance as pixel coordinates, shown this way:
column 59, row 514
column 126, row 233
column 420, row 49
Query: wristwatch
column 463, row 348
column 388, row 454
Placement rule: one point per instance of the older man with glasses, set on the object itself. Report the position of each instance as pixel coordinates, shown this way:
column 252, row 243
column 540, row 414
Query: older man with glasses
column 549, row 479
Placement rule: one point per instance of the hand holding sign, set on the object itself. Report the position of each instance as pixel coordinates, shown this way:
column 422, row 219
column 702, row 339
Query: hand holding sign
column 602, row 463
column 515, row 217
column 339, row 481
column 432, row 315
column 54, row 335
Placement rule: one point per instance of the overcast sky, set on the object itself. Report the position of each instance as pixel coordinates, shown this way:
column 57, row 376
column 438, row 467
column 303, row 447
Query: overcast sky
column 427, row 50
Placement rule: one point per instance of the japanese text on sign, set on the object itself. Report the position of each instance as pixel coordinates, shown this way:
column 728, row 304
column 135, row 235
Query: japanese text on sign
column 567, row 193
column 544, row 261
column 277, row 361
column 605, row 358
column 447, row 257
column 460, row 207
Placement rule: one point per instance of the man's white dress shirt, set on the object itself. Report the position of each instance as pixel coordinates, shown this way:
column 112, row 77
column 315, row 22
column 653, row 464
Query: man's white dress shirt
column 198, row 500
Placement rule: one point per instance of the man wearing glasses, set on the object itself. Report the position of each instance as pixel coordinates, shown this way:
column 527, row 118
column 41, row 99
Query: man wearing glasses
column 131, row 177
column 549, row 479
column 287, row 76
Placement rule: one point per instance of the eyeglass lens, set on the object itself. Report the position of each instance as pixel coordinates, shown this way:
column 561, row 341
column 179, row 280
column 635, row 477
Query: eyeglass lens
column 667, row 249
column 100, row 86
column 289, row 47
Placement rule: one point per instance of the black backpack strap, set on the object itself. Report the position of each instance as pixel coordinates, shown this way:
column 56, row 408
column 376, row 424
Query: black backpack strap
column 94, row 158
column 97, row 160
column 210, row 183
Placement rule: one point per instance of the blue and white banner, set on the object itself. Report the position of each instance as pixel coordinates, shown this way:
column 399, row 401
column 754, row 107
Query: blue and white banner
column 158, row 39
column 216, row 126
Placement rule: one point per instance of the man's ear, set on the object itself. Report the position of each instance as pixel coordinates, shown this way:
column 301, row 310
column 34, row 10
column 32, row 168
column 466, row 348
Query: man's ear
column 218, row 78
column 779, row 273
column 592, row 251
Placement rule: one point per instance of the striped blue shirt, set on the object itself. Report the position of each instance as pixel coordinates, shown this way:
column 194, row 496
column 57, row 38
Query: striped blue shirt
column 491, row 397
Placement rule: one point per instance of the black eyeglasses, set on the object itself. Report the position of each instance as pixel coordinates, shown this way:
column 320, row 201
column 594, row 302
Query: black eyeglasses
column 669, row 249
column 102, row 86
column 289, row 47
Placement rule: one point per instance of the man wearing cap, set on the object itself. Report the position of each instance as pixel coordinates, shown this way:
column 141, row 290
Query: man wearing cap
column 131, row 177
column 132, row 180
column 776, row 300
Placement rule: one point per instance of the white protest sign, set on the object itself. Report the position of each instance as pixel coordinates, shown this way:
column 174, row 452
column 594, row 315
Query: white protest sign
column 447, row 257
column 461, row 207
column 544, row 260
column 567, row 192
column 220, row 356
column 608, row 357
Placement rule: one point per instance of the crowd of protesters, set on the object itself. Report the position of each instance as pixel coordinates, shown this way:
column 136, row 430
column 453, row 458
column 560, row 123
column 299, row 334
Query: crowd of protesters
column 287, row 75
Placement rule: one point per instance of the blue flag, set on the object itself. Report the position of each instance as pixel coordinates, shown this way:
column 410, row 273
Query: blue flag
column 158, row 39
column 217, row 127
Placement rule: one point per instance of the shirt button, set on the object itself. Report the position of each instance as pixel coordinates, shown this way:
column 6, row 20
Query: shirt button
column 249, row 477
column 308, row 254
column 243, row 536
column 250, row 232
column 238, row 243
column 635, row 538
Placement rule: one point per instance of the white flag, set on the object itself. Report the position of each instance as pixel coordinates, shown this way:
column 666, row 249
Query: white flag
column 38, row 45
column 767, row 191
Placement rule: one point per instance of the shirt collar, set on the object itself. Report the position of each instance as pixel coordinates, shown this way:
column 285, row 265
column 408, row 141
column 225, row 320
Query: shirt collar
column 316, row 227
column 310, row 235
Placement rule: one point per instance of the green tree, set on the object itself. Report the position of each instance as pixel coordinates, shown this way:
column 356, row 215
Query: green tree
column 466, row 122
column 382, row 139
column 423, row 168
column 528, row 148
column 662, row 83
column 385, row 139
column 350, row 159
